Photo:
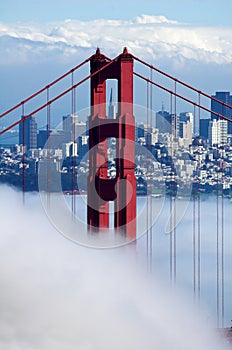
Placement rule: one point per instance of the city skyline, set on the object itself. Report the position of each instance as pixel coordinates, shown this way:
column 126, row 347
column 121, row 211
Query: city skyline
column 169, row 132
column 14, row 136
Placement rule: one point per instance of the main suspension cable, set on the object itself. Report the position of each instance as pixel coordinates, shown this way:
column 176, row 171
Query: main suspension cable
column 184, row 98
column 57, row 97
column 45, row 88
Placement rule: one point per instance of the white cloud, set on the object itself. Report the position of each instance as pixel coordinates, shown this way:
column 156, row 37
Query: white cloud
column 37, row 53
column 56, row 295
column 147, row 36
column 147, row 19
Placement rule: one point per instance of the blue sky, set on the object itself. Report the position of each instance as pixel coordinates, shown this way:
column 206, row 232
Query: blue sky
column 187, row 39
column 205, row 12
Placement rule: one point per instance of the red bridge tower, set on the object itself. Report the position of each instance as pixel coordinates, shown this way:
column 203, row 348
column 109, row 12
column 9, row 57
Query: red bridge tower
column 121, row 189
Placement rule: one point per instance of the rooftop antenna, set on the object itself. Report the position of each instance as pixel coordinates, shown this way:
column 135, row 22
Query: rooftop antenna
column 112, row 106
column 162, row 108
column 111, row 96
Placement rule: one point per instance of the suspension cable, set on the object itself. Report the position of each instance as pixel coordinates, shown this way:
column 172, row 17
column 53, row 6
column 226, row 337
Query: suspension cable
column 58, row 96
column 181, row 82
column 222, row 248
column 151, row 132
column 222, row 245
column 73, row 133
column 222, row 258
column 45, row 88
column 48, row 148
column 170, row 192
column 147, row 204
column 194, row 224
column 174, row 219
column 23, row 155
column 199, row 203
column 183, row 98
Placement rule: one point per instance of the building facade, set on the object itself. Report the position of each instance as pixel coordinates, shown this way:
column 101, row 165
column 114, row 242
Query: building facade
column 28, row 133
column 226, row 97
column 217, row 132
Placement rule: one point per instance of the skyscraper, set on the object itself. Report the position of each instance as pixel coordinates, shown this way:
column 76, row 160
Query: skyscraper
column 69, row 122
column 167, row 123
column 223, row 96
column 204, row 128
column 28, row 133
column 187, row 117
column 186, row 132
column 217, row 132
column 83, row 145
column 140, row 130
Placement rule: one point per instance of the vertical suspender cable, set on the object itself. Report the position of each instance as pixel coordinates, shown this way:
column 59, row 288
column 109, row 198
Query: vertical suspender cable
column 222, row 246
column 199, row 208
column 194, row 224
column 151, row 132
column 222, row 258
column 73, row 133
column 23, row 155
column 147, row 205
column 175, row 116
column 48, row 148
column 194, row 242
column 217, row 233
column 170, row 190
column 217, row 247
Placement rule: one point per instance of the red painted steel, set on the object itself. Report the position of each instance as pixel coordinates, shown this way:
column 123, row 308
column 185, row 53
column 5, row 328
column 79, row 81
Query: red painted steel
column 102, row 189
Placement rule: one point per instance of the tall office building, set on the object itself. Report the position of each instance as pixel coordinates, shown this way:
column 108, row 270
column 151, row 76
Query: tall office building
column 204, row 128
column 217, row 132
column 167, row 123
column 69, row 122
column 140, row 130
column 83, row 145
column 152, row 136
column 72, row 128
column 28, row 133
column 187, row 117
column 223, row 96
column 185, row 132
column 42, row 138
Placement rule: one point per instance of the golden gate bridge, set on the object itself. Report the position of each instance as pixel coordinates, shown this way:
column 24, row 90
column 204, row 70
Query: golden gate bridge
column 122, row 128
